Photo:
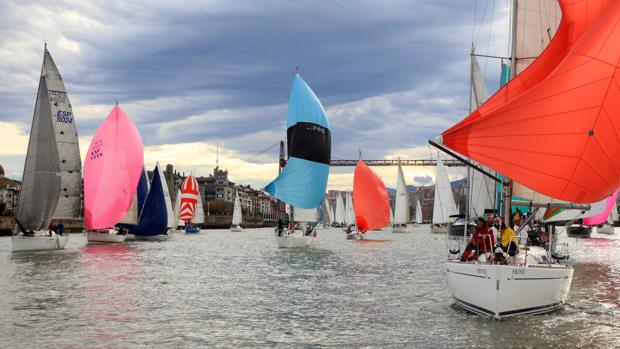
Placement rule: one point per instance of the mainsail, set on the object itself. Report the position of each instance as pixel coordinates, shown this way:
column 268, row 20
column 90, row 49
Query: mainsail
column 553, row 127
column 340, row 215
column 349, row 210
column 112, row 170
column 303, row 180
column 372, row 204
column 444, row 205
column 51, row 182
column 418, row 212
column 237, row 217
column 401, row 206
column 156, row 215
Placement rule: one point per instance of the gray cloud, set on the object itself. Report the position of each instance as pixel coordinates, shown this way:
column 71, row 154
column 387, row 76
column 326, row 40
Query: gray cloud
column 423, row 180
column 391, row 74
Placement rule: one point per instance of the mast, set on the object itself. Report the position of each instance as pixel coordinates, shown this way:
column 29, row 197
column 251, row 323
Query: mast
column 513, row 72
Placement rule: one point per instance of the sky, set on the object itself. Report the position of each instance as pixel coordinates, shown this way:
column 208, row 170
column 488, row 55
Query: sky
column 201, row 78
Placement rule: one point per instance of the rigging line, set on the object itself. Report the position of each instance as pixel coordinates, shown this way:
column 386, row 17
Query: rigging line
column 481, row 21
column 484, row 71
column 473, row 26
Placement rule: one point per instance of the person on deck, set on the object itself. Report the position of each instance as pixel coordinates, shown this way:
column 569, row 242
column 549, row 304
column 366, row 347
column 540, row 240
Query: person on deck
column 509, row 242
column 497, row 233
column 280, row 226
column 61, row 229
column 481, row 242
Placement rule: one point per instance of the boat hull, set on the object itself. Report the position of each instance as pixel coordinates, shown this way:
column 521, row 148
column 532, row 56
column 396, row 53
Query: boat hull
column 439, row 228
column 401, row 229
column 355, row 236
column 579, row 230
column 295, row 239
column 606, row 229
column 109, row 237
column 236, row 228
column 192, row 230
column 39, row 242
column 501, row 291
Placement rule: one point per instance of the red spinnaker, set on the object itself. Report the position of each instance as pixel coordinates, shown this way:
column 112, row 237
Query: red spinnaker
column 555, row 127
column 189, row 198
column 370, row 199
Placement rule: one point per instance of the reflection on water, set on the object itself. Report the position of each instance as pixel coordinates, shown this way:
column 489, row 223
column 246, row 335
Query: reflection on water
column 239, row 290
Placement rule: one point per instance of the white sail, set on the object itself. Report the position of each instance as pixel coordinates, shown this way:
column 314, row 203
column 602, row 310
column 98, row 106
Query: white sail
column 305, row 214
column 199, row 216
column 614, row 213
column 444, row 205
column 481, row 189
column 340, row 216
column 131, row 216
column 401, row 205
column 237, row 217
column 51, row 182
column 418, row 212
column 177, row 209
column 391, row 216
column 172, row 220
column 350, row 213
column 65, row 131
column 330, row 217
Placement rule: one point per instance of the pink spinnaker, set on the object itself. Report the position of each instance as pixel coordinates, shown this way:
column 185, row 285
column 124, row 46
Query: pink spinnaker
column 112, row 170
column 602, row 217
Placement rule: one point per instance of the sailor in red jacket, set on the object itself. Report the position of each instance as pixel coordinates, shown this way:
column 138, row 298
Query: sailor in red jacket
column 482, row 241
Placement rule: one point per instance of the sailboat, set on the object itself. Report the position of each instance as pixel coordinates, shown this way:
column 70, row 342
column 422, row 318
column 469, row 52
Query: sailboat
column 339, row 216
column 176, row 208
column 372, row 203
column 566, row 107
column 350, row 211
column 444, row 206
column 303, row 180
column 188, row 205
column 156, row 216
column 112, row 170
column 51, row 181
column 237, row 217
column 401, row 205
column 418, row 213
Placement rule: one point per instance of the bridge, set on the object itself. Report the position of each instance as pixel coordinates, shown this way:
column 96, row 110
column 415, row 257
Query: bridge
column 352, row 163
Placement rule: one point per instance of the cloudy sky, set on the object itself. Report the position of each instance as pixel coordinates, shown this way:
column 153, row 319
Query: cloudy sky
column 195, row 74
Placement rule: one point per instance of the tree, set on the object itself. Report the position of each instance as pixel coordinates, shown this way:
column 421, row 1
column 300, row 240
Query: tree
column 220, row 207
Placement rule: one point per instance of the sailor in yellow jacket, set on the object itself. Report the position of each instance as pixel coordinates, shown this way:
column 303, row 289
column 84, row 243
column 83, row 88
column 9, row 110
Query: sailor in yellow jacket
column 509, row 242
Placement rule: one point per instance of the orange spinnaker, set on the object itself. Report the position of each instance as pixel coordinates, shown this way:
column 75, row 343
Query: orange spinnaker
column 370, row 199
column 555, row 128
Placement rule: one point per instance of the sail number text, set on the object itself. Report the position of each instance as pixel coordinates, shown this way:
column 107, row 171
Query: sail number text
column 64, row 116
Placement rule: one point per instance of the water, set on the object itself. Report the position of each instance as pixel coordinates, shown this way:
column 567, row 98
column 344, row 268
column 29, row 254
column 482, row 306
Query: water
column 222, row 289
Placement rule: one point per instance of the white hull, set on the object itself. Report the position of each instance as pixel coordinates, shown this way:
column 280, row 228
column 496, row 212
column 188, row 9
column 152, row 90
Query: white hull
column 606, row 229
column 175, row 231
column 295, row 240
column 401, row 229
column 110, row 236
column 236, row 228
column 501, row 291
column 439, row 229
column 39, row 242
column 355, row 236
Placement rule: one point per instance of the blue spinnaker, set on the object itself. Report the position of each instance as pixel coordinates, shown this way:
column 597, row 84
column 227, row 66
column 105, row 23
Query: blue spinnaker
column 303, row 180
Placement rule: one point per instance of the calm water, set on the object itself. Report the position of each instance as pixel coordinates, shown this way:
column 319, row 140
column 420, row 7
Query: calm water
column 222, row 289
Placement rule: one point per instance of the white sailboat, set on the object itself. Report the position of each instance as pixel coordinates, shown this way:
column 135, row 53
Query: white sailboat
column 339, row 218
column 534, row 282
column 418, row 212
column 401, row 206
column 350, row 211
column 237, row 217
column 176, row 209
column 443, row 205
column 51, row 182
